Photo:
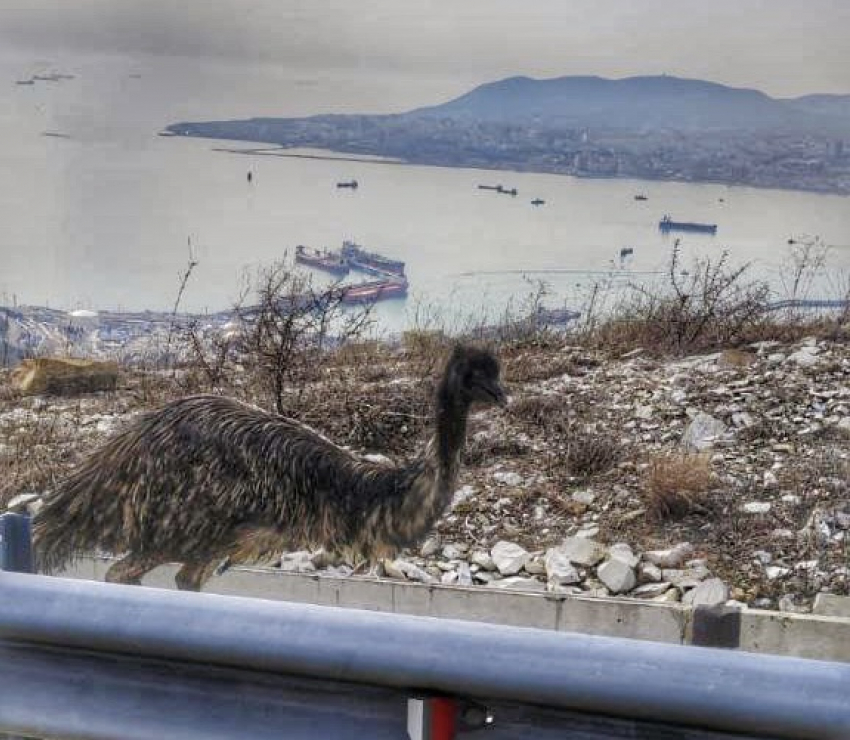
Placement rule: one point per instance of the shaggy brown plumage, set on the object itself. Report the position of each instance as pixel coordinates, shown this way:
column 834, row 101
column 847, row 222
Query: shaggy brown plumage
column 206, row 478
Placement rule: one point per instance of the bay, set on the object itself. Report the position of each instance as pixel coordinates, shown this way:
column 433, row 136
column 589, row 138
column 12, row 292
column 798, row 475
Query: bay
column 102, row 219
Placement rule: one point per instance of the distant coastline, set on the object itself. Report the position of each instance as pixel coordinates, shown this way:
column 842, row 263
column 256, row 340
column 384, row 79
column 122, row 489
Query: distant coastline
column 337, row 156
column 644, row 128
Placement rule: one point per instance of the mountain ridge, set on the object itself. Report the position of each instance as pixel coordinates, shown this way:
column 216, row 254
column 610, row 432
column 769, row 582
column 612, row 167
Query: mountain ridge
column 649, row 101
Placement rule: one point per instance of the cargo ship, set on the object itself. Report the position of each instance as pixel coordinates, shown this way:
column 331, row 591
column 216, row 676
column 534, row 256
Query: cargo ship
column 668, row 224
column 358, row 258
column 328, row 261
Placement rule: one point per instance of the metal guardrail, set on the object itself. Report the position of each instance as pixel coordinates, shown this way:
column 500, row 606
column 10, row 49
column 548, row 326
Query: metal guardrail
column 92, row 660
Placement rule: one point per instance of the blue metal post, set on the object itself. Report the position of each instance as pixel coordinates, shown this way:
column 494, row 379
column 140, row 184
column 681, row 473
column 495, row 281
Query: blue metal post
column 15, row 543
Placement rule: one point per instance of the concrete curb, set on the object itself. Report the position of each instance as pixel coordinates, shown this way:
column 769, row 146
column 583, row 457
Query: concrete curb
column 778, row 633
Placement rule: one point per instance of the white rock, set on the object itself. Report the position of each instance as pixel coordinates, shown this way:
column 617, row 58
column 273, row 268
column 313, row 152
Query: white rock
column 559, row 569
column 806, row 356
column 414, row 572
column 449, row 577
column 297, row 562
column 743, row 419
column 622, row 551
column 582, row 551
column 429, row 547
column 782, row 534
column 703, row 431
column 508, row 478
column 462, row 495
column 535, row 567
column 519, row 583
column 452, row 551
column 649, row 573
column 678, row 396
column 584, row 497
column 770, row 480
column 393, row 570
column 588, row 531
column 682, row 579
column 617, row 576
column 483, row 560
column 671, row 595
column 756, row 507
column 651, row 590
column 708, row 593
column 791, row 498
column 787, row 604
column 776, row 571
column 644, row 412
column 672, row 557
column 509, row 557
column 464, row 575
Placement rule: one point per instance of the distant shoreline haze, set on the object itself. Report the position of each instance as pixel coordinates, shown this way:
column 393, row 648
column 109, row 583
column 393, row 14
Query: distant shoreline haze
column 652, row 128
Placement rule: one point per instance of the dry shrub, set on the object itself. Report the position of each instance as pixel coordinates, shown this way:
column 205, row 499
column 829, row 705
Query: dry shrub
column 712, row 305
column 591, row 453
column 424, row 342
column 481, row 450
column 532, row 366
column 538, row 410
column 676, row 484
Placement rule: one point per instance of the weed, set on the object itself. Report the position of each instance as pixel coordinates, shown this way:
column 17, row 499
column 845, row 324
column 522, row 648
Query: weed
column 677, row 484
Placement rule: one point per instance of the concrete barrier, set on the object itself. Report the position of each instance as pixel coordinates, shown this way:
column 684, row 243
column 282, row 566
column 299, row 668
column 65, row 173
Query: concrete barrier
column 800, row 635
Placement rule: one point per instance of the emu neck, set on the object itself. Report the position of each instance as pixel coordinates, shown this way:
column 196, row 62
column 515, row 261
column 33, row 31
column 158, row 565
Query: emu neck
column 450, row 437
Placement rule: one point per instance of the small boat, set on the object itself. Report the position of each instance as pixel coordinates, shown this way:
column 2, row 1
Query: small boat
column 25, row 82
column 328, row 261
column 489, row 187
column 505, row 191
column 668, row 224
column 626, row 252
column 538, row 202
column 377, row 290
column 348, row 184
column 641, row 196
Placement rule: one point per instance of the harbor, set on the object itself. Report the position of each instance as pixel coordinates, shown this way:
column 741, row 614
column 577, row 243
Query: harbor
column 390, row 283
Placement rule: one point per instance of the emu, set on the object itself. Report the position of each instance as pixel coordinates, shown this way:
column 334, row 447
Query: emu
column 206, row 479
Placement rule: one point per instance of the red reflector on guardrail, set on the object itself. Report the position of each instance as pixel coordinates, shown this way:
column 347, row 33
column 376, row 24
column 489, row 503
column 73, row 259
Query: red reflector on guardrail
column 432, row 718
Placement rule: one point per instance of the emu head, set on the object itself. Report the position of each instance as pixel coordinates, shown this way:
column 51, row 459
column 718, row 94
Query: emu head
column 473, row 375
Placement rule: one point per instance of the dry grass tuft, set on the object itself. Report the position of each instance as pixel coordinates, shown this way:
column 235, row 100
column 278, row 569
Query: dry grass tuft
column 590, row 453
column 676, row 484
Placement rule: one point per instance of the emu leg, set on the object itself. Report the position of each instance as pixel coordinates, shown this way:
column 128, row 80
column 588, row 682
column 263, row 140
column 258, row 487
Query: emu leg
column 130, row 569
column 193, row 575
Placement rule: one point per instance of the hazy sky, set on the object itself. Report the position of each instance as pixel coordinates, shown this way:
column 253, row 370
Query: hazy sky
column 784, row 47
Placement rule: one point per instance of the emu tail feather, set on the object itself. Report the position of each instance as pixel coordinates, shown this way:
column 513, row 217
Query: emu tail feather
column 79, row 516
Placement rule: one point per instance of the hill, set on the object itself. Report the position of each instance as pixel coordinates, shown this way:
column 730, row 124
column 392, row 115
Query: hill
column 647, row 103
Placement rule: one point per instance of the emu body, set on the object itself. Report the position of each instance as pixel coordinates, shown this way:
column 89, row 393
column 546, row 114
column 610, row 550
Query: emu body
column 207, row 478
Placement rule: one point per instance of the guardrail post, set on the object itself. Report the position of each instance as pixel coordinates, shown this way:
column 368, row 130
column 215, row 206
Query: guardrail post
column 15, row 543
column 432, row 718
column 15, row 555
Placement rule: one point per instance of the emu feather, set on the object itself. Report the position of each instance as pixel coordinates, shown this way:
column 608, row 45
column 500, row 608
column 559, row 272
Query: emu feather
column 207, row 478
